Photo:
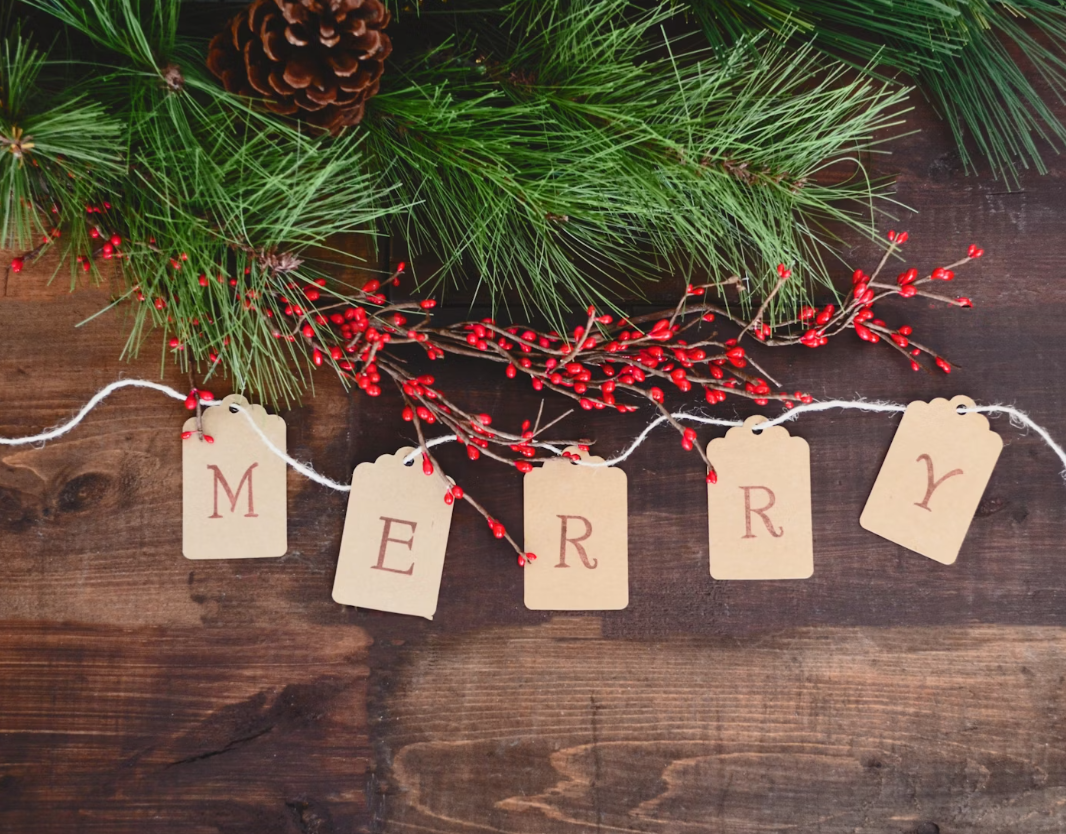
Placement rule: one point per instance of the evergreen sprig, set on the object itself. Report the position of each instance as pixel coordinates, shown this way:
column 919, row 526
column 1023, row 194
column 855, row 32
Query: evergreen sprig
column 962, row 53
column 220, row 205
column 589, row 146
column 51, row 153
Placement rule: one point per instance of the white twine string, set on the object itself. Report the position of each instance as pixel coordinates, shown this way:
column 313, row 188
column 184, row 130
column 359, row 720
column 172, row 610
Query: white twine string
column 107, row 390
column 1019, row 419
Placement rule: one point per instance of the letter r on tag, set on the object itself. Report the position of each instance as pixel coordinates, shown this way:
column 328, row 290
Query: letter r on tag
column 576, row 522
column 565, row 539
column 759, row 511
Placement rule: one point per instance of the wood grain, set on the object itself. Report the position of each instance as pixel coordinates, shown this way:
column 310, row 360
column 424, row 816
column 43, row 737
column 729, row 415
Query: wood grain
column 552, row 728
column 172, row 729
column 140, row 692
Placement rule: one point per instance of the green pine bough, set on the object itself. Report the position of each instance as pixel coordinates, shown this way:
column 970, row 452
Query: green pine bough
column 597, row 146
column 545, row 152
column 969, row 57
column 219, row 208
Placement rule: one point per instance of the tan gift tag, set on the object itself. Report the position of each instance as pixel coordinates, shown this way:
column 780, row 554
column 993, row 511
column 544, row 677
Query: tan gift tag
column 759, row 511
column 394, row 540
column 933, row 477
column 577, row 523
column 234, row 490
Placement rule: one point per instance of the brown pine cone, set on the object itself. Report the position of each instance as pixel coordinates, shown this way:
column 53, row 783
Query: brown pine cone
column 319, row 60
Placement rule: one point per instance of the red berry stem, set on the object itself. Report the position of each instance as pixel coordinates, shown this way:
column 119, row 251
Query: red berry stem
column 603, row 364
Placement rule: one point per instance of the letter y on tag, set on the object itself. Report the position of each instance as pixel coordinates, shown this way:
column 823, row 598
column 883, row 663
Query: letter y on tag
column 394, row 540
column 760, row 509
column 933, row 477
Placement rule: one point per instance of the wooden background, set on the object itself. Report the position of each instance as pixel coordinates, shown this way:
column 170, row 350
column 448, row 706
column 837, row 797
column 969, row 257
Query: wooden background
column 140, row 692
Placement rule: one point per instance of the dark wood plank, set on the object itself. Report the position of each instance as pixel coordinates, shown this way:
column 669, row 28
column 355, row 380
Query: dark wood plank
column 182, row 729
column 552, row 728
column 865, row 699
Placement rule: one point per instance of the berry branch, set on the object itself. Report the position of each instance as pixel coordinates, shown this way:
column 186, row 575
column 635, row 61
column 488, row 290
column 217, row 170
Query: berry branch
column 604, row 363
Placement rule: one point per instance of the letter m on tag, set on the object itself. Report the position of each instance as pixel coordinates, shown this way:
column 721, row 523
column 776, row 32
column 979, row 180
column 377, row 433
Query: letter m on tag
column 234, row 497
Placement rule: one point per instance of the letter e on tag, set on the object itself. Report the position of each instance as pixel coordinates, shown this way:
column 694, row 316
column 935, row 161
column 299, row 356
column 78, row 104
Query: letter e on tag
column 933, row 477
column 394, row 540
column 577, row 523
column 234, row 490
column 759, row 511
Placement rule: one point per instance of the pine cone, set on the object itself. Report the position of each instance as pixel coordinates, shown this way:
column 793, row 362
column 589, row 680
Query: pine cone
column 319, row 59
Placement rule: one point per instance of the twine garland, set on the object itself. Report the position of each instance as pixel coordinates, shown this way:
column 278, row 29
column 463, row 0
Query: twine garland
column 1018, row 419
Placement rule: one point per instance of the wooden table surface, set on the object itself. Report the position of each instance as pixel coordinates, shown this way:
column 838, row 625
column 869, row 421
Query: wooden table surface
column 141, row 692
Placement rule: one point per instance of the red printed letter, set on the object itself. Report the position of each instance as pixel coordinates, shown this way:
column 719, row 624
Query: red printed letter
column 219, row 477
column 563, row 539
column 385, row 543
column 760, row 511
column 931, row 484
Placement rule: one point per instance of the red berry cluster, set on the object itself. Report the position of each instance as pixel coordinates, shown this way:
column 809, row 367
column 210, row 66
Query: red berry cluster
column 108, row 248
column 604, row 363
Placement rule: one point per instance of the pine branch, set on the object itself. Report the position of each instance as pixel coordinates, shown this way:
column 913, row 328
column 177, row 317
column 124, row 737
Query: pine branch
column 217, row 199
column 53, row 152
column 961, row 54
column 549, row 170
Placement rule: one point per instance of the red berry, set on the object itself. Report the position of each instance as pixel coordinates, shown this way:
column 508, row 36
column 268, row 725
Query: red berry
column 17, row 264
column 943, row 365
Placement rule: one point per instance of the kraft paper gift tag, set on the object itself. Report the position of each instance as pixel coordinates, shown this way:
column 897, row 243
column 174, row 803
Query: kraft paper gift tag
column 395, row 535
column 577, row 523
column 759, row 511
column 234, row 489
column 933, row 477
